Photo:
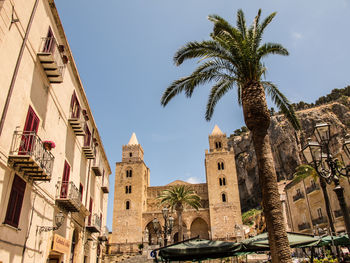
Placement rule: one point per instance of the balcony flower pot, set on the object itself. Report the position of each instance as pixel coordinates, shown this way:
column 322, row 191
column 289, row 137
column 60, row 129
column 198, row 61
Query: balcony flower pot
column 48, row 145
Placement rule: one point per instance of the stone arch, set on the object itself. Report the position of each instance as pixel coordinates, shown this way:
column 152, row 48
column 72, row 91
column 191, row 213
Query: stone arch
column 150, row 235
column 199, row 227
column 175, row 232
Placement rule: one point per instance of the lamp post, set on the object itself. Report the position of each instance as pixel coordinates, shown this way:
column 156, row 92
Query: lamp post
column 167, row 228
column 328, row 168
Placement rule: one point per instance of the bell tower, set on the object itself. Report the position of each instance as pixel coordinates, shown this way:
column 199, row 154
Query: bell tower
column 221, row 176
column 130, row 194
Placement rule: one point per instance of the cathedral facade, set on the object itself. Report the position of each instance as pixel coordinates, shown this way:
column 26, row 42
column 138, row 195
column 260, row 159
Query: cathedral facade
column 136, row 204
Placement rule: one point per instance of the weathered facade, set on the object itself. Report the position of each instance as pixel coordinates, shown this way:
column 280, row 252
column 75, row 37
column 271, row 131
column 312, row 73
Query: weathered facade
column 52, row 162
column 305, row 199
column 136, row 205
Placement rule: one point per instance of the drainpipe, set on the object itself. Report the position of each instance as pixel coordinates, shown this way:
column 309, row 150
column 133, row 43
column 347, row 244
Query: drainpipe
column 15, row 73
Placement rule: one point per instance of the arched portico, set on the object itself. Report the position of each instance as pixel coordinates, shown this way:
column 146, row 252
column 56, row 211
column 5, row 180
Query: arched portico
column 199, row 228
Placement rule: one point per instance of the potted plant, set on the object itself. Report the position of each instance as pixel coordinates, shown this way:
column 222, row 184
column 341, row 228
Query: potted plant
column 48, row 145
column 140, row 246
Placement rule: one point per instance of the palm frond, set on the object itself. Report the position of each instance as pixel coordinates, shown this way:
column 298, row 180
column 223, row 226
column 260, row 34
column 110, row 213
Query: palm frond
column 204, row 49
column 282, row 103
column 241, row 24
column 217, row 91
column 178, row 196
column 271, row 48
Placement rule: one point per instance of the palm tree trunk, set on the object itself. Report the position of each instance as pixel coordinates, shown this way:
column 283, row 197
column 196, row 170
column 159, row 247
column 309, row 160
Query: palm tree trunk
column 179, row 218
column 257, row 119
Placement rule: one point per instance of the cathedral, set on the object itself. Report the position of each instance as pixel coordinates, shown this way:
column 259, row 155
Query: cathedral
column 136, row 204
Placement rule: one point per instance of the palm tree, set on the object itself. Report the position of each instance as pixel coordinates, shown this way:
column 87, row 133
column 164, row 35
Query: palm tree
column 233, row 58
column 178, row 196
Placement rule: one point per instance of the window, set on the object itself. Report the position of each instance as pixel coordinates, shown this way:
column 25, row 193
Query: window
column 127, row 205
column 31, row 126
column 319, row 212
column 50, row 42
column 313, row 184
column 223, row 181
column 81, row 191
column 87, row 137
column 220, row 165
column 223, row 197
column 130, row 154
column 218, row 145
column 298, row 192
column 75, row 107
column 90, row 210
column 65, row 180
column 220, row 181
column 128, row 189
column 14, row 206
column 129, row 173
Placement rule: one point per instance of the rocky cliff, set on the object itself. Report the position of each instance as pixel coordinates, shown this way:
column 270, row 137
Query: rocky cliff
column 286, row 145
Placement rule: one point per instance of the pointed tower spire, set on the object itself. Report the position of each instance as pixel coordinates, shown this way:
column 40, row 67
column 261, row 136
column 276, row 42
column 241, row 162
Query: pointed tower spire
column 133, row 140
column 216, row 131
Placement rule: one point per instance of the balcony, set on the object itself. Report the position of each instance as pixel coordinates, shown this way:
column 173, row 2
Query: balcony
column 303, row 226
column 94, row 224
column 338, row 213
column 29, row 157
column 97, row 167
column 103, row 235
column 89, row 149
column 68, row 196
column 298, row 196
column 312, row 188
column 320, row 220
column 76, row 121
column 105, row 188
column 52, row 60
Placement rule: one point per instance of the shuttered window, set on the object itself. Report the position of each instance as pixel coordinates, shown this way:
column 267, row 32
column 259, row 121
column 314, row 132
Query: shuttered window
column 14, row 206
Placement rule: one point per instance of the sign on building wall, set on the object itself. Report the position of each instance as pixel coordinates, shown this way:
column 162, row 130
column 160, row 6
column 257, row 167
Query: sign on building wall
column 60, row 244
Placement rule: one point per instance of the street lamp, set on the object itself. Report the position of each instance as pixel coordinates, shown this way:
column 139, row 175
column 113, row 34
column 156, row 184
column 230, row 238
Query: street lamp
column 167, row 228
column 59, row 218
column 318, row 155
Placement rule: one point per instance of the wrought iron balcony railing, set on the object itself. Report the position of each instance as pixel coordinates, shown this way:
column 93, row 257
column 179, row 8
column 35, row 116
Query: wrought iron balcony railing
column 29, row 157
column 320, row 220
column 68, row 196
column 304, row 226
column 312, row 188
column 94, row 223
column 298, row 196
column 52, row 59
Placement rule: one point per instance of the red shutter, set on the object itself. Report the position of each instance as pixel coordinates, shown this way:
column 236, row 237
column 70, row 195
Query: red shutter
column 90, row 210
column 14, row 206
column 81, row 190
column 31, row 125
column 87, row 136
column 65, row 180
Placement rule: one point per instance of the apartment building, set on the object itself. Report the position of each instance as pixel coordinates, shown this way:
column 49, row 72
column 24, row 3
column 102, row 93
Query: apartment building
column 53, row 168
column 306, row 209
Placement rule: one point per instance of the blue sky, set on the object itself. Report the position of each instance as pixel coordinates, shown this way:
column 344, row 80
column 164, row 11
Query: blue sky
column 124, row 50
